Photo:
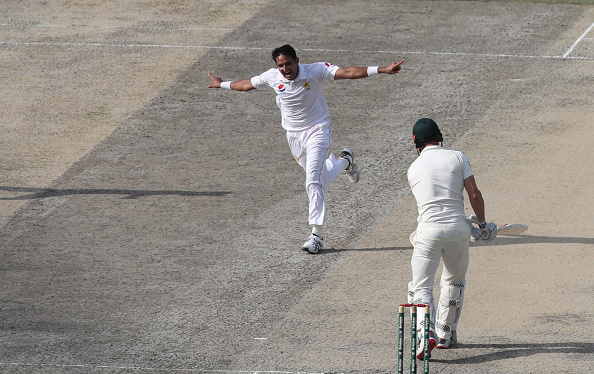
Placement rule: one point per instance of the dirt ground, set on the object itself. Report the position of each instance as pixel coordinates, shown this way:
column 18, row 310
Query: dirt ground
column 74, row 71
column 152, row 225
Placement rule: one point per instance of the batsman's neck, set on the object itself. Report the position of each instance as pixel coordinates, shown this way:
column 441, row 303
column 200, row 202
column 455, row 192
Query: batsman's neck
column 428, row 144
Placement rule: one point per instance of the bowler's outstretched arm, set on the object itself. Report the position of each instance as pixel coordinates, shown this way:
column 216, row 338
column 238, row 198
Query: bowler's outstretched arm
column 242, row 85
column 356, row 72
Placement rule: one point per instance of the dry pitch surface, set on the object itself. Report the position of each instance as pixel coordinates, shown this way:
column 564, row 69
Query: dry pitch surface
column 152, row 225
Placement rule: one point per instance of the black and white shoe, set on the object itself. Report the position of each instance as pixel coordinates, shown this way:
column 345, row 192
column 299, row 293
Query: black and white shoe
column 314, row 244
column 352, row 171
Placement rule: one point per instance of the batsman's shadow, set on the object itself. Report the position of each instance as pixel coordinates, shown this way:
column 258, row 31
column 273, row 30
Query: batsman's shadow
column 44, row 193
column 529, row 239
column 500, row 240
column 507, row 351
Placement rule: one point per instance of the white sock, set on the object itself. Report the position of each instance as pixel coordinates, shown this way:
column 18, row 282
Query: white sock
column 318, row 230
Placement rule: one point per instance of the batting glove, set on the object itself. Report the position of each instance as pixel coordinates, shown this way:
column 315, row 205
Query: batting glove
column 488, row 230
column 475, row 232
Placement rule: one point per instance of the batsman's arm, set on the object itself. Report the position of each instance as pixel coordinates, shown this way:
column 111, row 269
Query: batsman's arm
column 242, row 85
column 476, row 198
column 357, row 72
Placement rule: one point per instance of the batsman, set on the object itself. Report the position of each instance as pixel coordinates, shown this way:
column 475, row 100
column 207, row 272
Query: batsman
column 438, row 178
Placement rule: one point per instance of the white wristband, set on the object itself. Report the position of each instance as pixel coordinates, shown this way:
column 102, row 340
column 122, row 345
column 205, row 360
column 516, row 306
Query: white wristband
column 372, row 70
column 226, row 85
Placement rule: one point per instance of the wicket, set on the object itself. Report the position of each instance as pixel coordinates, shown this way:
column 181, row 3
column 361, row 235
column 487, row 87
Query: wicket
column 413, row 340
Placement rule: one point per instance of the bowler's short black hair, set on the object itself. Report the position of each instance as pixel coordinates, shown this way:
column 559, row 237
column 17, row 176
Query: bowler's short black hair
column 286, row 50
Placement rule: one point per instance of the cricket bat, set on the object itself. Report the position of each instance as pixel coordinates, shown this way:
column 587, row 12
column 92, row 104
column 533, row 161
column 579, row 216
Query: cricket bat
column 511, row 229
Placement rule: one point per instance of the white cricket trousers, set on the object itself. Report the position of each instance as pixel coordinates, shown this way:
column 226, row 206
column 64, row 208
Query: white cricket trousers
column 432, row 242
column 310, row 149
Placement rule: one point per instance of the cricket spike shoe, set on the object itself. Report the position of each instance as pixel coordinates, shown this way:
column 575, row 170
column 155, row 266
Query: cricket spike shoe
column 352, row 171
column 446, row 343
column 421, row 346
column 314, row 244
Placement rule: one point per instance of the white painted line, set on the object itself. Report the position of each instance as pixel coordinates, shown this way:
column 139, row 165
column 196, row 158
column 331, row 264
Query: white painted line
column 202, row 28
column 444, row 53
column 163, row 27
column 154, row 369
column 578, row 40
column 135, row 27
column 106, row 45
column 71, row 44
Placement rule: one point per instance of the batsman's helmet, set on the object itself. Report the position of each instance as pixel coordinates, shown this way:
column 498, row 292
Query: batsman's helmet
column 426, row 130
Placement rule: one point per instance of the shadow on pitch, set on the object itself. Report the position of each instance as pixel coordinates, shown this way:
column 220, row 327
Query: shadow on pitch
column 44, row 193
column 500, row 240
column 329, row 251
column 507, row 351
column 530, row 239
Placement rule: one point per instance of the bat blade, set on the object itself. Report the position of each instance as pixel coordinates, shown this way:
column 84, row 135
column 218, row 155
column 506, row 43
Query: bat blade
column 511, row 229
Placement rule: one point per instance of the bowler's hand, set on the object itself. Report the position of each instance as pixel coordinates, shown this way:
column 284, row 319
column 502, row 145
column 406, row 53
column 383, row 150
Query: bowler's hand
column 216, row 81
column 393, row 68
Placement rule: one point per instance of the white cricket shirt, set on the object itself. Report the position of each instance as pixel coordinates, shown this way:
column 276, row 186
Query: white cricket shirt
column 301, row 100
column 436, row 178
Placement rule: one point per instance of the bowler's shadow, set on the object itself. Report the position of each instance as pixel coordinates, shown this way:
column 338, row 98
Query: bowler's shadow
column 332, row 250
column 44, row 193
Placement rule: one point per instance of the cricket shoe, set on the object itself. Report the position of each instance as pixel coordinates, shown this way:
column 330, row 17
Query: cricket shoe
column 446, row 343
column 352, row 171
column 314, row 244
column 421, row 346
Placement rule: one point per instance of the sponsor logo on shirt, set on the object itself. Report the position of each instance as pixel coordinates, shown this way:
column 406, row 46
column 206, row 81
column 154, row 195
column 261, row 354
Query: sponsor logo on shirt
column 281, row 88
